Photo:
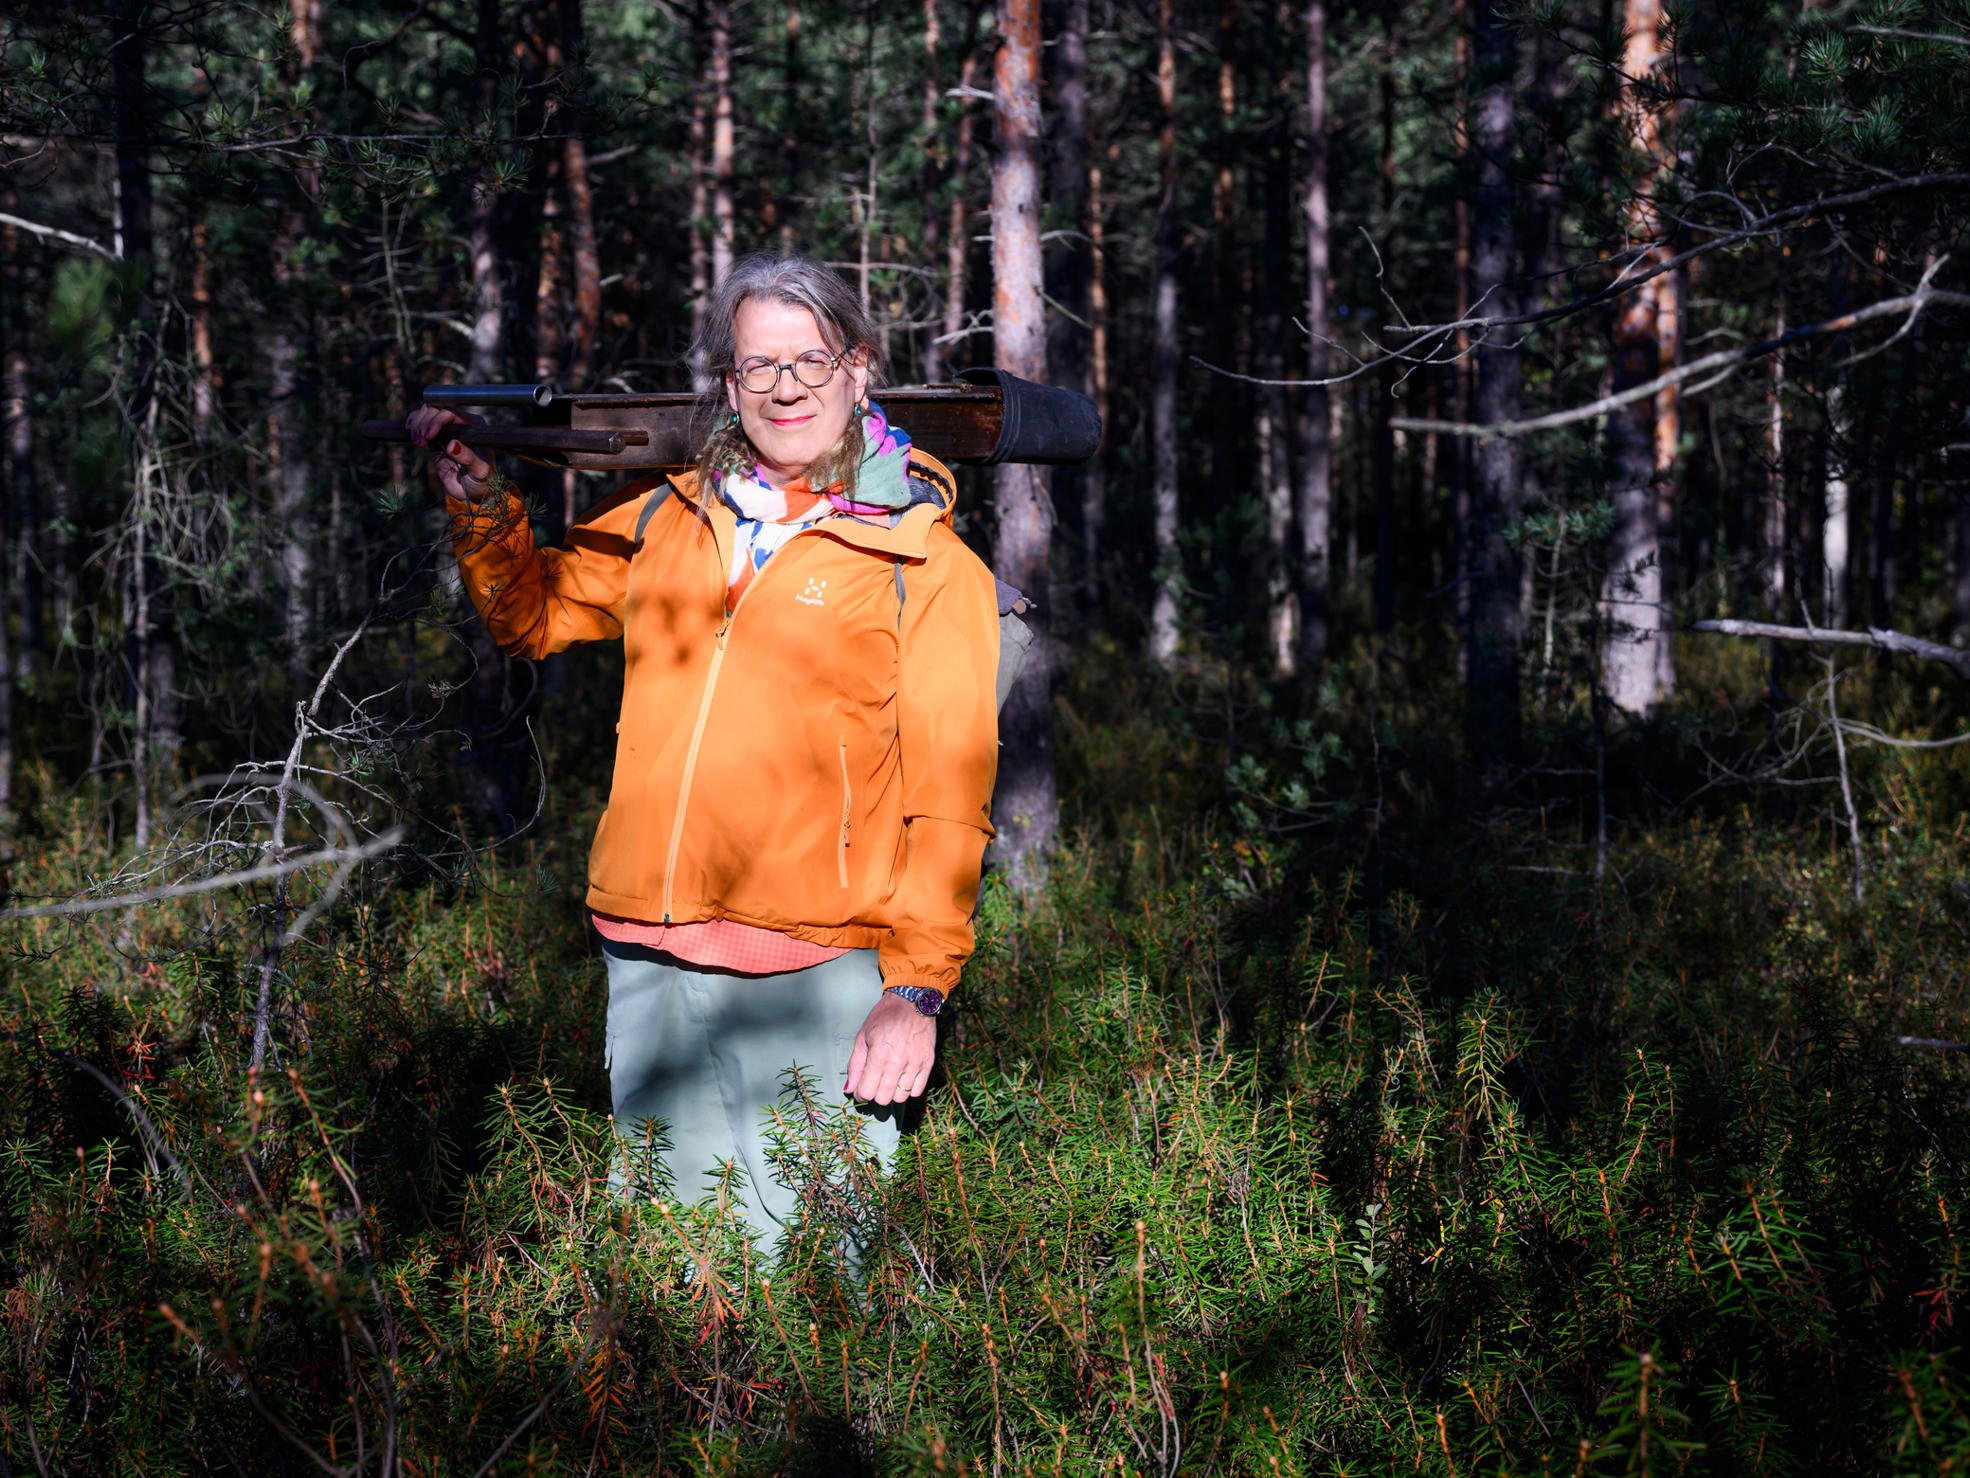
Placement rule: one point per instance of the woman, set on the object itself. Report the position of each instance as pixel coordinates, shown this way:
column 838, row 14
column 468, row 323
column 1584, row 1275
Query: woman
column 787, row 867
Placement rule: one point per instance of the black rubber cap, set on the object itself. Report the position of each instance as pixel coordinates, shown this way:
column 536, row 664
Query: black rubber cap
column 1039, row 423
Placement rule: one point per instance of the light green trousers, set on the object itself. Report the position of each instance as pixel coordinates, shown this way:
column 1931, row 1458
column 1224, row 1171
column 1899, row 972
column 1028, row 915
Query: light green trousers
column 698, row 1061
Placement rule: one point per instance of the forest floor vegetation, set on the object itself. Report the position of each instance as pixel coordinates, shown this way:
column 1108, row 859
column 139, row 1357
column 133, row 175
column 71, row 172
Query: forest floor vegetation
column 1336, row 1111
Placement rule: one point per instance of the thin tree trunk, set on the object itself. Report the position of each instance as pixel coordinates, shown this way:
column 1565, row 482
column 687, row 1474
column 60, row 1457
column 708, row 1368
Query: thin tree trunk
column 1163, row 615
column 1316, row 412
column 1632, row 625
column 1668, row 463
column 485, row 364
column 1274, row 428
column 1231, row 451
column 957, row 247
column 718, row 14
column 1959, row 516
column 1025, row 807
column 23, row 489
column 1094, row 494
column 1462, row 371
column 790, row 122
column 1492, row 656
column 931, row 180
column 699, row 147
column 1067, row 255
column 584, row 253
column 1773, row 525
column 1381, row 390
column 148, row 627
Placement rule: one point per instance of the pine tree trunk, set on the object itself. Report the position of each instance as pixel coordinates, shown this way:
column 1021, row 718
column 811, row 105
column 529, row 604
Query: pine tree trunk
column 956, row 246
column 1316, row 411
column 22, row 495
column 585, row 257
column 1836, row 528
column 1381, row 390
column 486, row 362
column 790, row 123
column 1492, row 643
column 1773, row 524
column 1164, row 361
column 1024, row 809
column 718, row 17
column 1274, row 428
column 931, row 180
column 1632, row 621
column 1094, row 492
column 699, row 147
column 1067, row 255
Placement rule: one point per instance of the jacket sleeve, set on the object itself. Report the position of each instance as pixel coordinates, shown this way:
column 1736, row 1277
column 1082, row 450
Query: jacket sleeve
column 539, row 601
column 948, row 733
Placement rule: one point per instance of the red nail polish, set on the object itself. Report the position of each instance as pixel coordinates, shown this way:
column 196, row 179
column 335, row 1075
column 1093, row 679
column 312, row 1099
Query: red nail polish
column 454, row 448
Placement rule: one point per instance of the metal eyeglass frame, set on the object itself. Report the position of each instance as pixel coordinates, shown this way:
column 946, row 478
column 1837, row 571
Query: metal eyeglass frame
column 791, row 366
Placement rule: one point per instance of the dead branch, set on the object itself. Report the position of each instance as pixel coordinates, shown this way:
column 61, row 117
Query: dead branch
column 1957, row 659
column 1716, row 366
column 55, row 233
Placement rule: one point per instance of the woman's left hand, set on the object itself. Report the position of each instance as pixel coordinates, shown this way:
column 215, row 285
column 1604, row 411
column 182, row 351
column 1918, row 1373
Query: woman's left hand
column 893, row 1053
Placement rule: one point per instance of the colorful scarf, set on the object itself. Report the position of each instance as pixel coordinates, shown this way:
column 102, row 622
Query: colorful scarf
column 768, row 516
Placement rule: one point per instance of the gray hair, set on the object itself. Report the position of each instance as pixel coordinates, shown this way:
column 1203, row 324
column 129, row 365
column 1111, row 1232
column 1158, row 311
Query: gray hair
column 799, row 282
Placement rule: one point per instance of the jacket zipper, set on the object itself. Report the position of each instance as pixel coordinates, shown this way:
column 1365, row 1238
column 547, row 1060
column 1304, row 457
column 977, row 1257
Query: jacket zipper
column 847, row 803
column 698, row 734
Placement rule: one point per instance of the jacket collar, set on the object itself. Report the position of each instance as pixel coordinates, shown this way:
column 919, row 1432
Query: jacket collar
column 934, row 495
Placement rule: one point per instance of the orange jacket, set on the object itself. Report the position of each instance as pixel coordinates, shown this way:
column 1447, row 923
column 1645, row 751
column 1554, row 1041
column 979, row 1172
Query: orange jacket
column 820, row 762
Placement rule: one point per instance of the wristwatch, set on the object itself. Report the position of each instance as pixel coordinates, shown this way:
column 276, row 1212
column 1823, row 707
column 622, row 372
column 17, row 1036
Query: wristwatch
column 927, row 1001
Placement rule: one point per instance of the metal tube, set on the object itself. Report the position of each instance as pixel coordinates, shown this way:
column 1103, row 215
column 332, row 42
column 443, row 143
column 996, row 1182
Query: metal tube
column 451, row 395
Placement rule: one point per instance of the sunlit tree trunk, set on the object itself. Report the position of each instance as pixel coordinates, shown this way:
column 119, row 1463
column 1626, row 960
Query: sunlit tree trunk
column 1024, row 809
column 718, row 17
column 1164, row 360
column 1067, row 254
column 1316, row 436
column 1633, row 624
column 1492, row 640
column 584, row 253
column 1836, row 528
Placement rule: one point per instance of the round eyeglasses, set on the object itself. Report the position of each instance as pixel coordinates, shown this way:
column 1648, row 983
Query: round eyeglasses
column 812, row 369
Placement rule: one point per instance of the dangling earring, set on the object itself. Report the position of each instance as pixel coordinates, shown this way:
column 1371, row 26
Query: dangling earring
column 861, row 408
column 732, row 421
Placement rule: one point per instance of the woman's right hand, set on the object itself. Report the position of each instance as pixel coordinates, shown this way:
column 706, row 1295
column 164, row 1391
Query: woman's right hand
column 465, row 474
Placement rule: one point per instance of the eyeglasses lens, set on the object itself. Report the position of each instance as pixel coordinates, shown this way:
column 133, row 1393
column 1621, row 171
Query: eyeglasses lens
column 813, row 369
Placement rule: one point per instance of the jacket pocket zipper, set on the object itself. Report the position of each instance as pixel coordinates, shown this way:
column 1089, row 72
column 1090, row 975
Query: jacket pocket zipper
column 847, row 801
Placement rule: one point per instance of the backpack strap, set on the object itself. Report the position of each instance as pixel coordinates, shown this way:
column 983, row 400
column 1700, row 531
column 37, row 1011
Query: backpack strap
column 656, row 500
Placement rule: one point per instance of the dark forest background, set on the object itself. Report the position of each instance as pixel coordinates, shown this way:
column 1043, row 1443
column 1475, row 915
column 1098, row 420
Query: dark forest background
column 1443, row 1001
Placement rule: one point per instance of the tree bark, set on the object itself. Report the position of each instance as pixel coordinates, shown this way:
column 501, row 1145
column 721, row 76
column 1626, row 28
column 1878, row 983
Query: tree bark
column 957, row 248
column 1773, row 539
column 486, row 362
column 584, row 252
column 1316, row 438
column 698, row 145
column 1274, row 428
column 1632, row 623
column 1067, row 255
column 1381, row 390
column 1094, row 490
column 718, row 16
column 23, row 499
column 1025, row 808
column 149, row 629
column 931, row 178
column 1164, row 631
column 1492, row 641
column 790, row 122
